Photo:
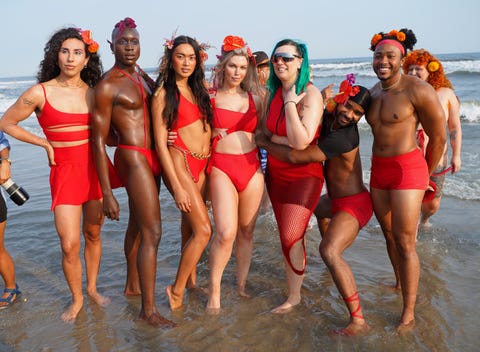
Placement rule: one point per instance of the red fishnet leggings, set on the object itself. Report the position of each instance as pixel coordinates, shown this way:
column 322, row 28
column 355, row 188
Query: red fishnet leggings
column 293, row 203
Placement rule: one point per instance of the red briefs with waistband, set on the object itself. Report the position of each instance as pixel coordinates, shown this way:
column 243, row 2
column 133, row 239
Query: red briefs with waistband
column 358, row 205
column 240, row 168
column 406, row 171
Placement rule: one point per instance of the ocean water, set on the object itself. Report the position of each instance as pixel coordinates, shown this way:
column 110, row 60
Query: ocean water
column 446, row 314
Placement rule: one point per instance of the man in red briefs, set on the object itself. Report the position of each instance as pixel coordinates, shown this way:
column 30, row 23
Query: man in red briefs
column 348, row 202
column 122, row 106
column 400, row 173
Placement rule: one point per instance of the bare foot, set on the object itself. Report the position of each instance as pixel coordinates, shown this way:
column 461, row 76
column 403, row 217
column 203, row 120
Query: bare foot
column 404, row 328
column 243, row 292
column 132, row 288
column 157, row 321
column 394, row 288
column 284, row 308
column 71, row 313
column 213, row 305
column 99, row 299
column 175, row 301
column 212, row 310
column 353, row 329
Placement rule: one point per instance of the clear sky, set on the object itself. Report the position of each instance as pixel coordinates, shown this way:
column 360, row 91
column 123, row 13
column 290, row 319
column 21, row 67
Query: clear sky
column 331, row 29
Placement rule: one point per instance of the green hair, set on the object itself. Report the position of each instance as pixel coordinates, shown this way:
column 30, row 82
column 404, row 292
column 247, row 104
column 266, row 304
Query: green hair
column 303, row 78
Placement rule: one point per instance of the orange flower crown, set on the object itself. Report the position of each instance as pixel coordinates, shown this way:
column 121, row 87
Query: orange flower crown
column 92, row 45
column 232, row 42
column 405, row 38
column 421, row 57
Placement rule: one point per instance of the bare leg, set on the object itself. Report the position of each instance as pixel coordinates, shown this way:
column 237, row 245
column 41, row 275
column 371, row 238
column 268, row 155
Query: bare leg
column 67, row 223
column 294, row 281
column 131, row 243
column 249, row 204
column 383, row 213
column 428, row 210
column 341, row 233
column 7, row 267
column 92, row 224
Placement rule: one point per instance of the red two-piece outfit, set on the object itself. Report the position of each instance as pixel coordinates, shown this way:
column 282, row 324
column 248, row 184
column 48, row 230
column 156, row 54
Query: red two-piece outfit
column 188, row 113
column 294, row 189
column 74, row 179
column 240, row 168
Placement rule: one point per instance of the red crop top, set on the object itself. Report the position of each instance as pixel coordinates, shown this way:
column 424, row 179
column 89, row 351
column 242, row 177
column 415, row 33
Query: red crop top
column 234, row 120
column 51, row 119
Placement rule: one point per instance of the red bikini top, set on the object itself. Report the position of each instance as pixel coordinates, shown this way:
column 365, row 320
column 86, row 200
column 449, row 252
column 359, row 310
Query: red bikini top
column 51, row 119
column 234, row 120
column 188, row 113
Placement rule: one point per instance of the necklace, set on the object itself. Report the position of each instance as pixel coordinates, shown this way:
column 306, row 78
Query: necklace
column 65, row 84
column 393, row 85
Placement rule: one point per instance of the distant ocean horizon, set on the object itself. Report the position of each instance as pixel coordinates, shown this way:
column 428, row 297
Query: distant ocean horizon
column 446, row 317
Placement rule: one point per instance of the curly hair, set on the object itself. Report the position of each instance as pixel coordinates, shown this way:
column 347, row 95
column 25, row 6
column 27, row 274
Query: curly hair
column 49, row 68
column 250, row 83
column 404, row 36
column 436, row 74
column 196, row 81
column 303, row 78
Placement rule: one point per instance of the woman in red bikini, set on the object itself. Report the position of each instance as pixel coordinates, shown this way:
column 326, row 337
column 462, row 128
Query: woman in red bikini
column 181, row 103
column 294, row 115
column 236, row 178
column 63, row 101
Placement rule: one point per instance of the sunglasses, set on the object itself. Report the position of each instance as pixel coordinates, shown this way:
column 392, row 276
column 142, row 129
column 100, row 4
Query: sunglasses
column 285, row 57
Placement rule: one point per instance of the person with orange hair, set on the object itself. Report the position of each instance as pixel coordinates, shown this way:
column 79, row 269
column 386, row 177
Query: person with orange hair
column 427, row 67
column 399, row 171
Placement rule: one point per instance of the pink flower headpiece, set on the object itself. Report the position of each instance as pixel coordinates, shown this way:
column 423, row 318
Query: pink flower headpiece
column 92, row 45
column 168, row 45
column 125, row 23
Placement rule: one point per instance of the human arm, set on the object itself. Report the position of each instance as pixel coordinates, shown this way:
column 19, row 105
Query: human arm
column 303, row 114
column 454, row 130
column 101, row 125
column 30, row 101
column 432, row 117
column 287, row 154
column 160, row 132
column 4, row 155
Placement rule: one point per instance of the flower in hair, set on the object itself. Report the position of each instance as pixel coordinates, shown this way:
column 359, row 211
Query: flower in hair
column 433, row 66
column 92, row 45
column 125, row 23
column 375, row 39
column 346, row 90
column 401, row 36
column 232, row 42
column 168, row 45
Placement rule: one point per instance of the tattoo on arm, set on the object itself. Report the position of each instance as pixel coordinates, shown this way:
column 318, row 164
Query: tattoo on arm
column 27, row 101
column 453, row 135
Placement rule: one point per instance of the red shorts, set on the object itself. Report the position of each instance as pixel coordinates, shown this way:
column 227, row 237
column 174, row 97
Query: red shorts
column 406, row 171
column 358, row 205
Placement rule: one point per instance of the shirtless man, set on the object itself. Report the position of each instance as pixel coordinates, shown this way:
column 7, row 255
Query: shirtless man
column 425, row 66
column 348, row 202
column 122, row 107
column 400, row 173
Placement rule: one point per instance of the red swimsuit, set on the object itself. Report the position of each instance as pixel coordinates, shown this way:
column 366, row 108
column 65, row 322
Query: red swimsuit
column 74, row 179
column 240, row 168
column 150, row 154
column 294, row 189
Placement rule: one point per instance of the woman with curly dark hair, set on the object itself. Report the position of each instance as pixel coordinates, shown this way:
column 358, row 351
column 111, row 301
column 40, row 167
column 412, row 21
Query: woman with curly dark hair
column 63, row 100
column 182, row 104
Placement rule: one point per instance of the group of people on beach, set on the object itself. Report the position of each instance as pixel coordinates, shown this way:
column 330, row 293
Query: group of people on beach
column 204, row 140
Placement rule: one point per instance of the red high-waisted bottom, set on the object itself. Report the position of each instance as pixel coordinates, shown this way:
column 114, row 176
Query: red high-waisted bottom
column 240, row 168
